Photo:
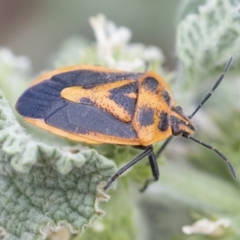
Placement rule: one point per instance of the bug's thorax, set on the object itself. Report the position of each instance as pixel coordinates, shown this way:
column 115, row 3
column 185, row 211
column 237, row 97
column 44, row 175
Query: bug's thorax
column 180, row 124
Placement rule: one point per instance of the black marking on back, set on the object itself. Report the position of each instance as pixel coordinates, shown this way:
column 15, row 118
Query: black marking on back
column 81, row 118
column 38, row 100
column 145, row 116
column 118, row 95
column 87, row 101
column 166, row 97
column 164, row 122
column 90, row 78
column 151, row 84
column 60, row 120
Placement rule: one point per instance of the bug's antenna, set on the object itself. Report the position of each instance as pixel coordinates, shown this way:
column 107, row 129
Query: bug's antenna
column 216, row 151
column 213, row 88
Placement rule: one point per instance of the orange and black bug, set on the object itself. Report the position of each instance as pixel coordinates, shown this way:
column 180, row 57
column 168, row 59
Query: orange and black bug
column 97, row 105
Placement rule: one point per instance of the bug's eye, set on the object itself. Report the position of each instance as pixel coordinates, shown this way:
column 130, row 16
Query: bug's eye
column 178, row 109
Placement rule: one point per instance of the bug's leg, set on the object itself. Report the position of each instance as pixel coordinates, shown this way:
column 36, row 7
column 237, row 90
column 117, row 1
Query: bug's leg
column 153, row 164
column 146, row 152
column 155, row 171
column 163, row 147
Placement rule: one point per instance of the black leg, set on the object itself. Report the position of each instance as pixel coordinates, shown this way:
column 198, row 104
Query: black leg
column 155, row 171
column 148, row 150
column 163, row 147
column 154, row 166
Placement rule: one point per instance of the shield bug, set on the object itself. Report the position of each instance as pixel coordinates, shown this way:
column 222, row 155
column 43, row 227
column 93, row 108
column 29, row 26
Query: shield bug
column 96, row 105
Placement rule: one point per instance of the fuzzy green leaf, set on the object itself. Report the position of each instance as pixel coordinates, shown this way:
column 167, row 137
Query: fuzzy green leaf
column 43, row 186
column 209, row 38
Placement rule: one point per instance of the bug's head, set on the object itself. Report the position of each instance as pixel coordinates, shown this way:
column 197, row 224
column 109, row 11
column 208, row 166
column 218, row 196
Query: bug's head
column 181, row 125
